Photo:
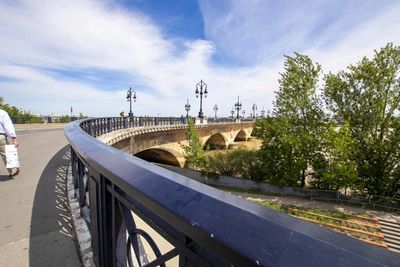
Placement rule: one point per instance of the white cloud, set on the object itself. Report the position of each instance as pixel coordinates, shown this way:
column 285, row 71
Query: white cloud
column 74, row 35
column 334, row 34
column 78, row 35
column 361, row 41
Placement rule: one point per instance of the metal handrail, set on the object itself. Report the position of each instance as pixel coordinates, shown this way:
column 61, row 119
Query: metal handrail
column 205, row 226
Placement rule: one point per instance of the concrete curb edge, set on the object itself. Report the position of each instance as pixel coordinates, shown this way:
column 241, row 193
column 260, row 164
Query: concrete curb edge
column 81, row 230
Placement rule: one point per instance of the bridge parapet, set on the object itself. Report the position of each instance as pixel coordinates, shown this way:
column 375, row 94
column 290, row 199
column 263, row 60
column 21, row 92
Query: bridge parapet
column 111, row 138
column 163, row 143
column 205, row 226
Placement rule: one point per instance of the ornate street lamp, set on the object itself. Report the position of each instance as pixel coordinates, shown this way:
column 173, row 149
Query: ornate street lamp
column 129, row 98
column 243, row 112
column 238, row 107
column 254, row 108
column 199, row 90
column 187, row 108
column 215, row 108
column 262, row 113
column 232, row 112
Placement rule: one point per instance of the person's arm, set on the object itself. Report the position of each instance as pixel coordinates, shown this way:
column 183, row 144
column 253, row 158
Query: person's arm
column 10, row 130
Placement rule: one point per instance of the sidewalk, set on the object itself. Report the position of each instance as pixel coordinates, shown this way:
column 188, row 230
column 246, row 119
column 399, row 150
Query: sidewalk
column 35, row 224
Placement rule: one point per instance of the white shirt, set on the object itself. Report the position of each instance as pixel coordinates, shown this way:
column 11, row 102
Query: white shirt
column 6, row 126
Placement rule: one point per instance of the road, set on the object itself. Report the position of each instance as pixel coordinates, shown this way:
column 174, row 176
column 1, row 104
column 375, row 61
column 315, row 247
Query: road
column 35, row 226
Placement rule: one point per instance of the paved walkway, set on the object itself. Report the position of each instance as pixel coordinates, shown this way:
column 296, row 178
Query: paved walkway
column 35, row 226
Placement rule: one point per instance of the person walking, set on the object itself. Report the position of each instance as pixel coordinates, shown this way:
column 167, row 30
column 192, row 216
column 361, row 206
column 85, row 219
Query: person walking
column 7, row 132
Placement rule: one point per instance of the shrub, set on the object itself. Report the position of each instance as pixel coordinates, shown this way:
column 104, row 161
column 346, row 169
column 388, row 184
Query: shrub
column 239, row 162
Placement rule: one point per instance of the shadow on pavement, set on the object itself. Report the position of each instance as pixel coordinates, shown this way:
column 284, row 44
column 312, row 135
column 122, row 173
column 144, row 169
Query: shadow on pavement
column 5, row 178
column 52, row 242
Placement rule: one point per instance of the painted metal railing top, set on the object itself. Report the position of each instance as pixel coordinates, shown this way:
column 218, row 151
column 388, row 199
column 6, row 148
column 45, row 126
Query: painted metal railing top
column 205, row 225
column 228, row 120
column 98, row 126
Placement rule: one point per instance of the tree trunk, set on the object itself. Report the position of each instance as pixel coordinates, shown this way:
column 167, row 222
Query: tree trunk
column 303, row 177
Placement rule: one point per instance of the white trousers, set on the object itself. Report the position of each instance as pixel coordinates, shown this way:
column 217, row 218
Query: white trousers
column 3, row 143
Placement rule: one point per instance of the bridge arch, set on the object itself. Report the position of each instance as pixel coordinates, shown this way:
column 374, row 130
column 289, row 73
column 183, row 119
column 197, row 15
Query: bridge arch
column 162, row 156
column 242, row 135
column 216, row 141
column 251, row 132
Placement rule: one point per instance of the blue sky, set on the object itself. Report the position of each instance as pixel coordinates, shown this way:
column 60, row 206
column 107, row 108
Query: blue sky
column 87, row 53
column 181, row 19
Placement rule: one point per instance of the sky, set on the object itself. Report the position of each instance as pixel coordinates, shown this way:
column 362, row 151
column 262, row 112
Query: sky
column 86, row 54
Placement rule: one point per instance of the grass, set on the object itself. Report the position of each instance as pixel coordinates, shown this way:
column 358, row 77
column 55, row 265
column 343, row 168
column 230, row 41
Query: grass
column 270, row 205
column 341, row 226
column 347, row 222
column 285, row 209
column 239, row 190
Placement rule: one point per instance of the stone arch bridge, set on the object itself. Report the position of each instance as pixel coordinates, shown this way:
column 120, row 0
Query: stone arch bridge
column 163, row 144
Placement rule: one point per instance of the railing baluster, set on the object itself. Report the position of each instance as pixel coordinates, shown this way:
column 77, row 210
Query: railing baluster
column 81, row 185
column 74, row 163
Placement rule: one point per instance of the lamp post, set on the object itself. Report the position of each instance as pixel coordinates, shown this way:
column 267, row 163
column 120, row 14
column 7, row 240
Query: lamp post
column 129, row 98
column 243, row 112
column 238, row 107
column 187, row 108
column 262, row 112
column 199, row 90
column 254, row 108
column 232, row 112
column 215, row 108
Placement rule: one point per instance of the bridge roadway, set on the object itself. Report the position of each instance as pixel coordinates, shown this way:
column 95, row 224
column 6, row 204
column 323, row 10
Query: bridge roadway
column 35, row 227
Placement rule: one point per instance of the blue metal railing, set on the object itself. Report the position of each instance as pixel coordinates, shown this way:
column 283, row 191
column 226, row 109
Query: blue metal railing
column 227, row 120
column 98, row 126
column 205, row 226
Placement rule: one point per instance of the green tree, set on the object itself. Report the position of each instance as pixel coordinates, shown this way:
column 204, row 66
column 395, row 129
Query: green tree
column 292, row 139
column 11, row 110
column 280, row 162
column 64, row 119
column 367, row 96
column 193, row 152
column 340, row 168
column 19, row 115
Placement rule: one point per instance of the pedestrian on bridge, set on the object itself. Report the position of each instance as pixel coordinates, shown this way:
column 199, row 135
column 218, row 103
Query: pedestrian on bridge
column 7, row 132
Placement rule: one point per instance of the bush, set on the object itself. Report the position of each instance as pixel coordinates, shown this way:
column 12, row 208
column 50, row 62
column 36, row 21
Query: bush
column 240, row 162
column 220, row 163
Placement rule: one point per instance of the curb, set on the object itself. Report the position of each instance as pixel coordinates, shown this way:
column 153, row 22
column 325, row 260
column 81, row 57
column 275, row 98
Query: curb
column 39, row 126
column 81, row 230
